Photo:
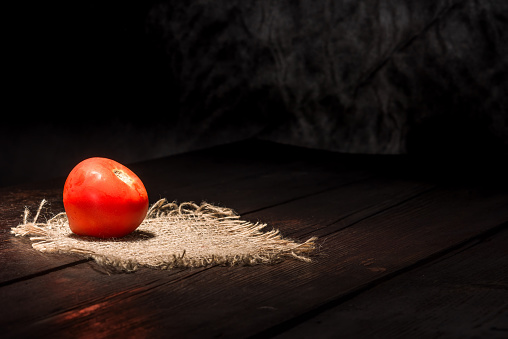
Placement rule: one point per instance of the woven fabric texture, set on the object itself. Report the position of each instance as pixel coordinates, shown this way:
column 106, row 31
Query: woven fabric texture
column 171, row 236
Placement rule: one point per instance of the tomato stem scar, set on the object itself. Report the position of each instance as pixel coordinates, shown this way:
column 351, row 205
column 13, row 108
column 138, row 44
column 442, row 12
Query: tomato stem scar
column 122, row 176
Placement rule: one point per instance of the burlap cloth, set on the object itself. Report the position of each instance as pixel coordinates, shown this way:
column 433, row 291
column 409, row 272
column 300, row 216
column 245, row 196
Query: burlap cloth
column 171, row 236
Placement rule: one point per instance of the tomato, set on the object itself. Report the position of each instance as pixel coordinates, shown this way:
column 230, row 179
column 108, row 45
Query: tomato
column 103, row 198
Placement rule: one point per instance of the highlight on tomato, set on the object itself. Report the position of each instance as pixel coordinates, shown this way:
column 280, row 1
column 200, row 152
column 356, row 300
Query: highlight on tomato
column 103, row 198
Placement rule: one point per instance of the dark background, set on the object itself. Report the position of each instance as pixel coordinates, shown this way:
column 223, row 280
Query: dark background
column 135, row 80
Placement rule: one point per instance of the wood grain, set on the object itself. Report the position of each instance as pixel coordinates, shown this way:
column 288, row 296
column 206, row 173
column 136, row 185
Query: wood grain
column 235, row 302
column 462, row 295
column 17, row 258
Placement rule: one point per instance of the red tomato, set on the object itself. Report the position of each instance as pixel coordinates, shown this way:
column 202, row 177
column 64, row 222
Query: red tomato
column 103, row 198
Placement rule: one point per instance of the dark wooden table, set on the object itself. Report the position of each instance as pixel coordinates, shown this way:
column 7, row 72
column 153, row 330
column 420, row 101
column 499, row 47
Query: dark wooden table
column 405, row 250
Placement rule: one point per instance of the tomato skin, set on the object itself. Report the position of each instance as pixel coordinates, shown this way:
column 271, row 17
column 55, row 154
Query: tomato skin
column 100, row 203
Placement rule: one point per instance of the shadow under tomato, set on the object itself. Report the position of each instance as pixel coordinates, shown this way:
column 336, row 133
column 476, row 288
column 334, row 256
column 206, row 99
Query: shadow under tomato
column 135, row 236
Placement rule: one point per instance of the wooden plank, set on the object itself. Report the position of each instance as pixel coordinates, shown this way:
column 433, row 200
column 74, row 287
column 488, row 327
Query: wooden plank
column 17, row 258
column 226, row 175
column 462, row 295
column 333, row 210
column 234, row 302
